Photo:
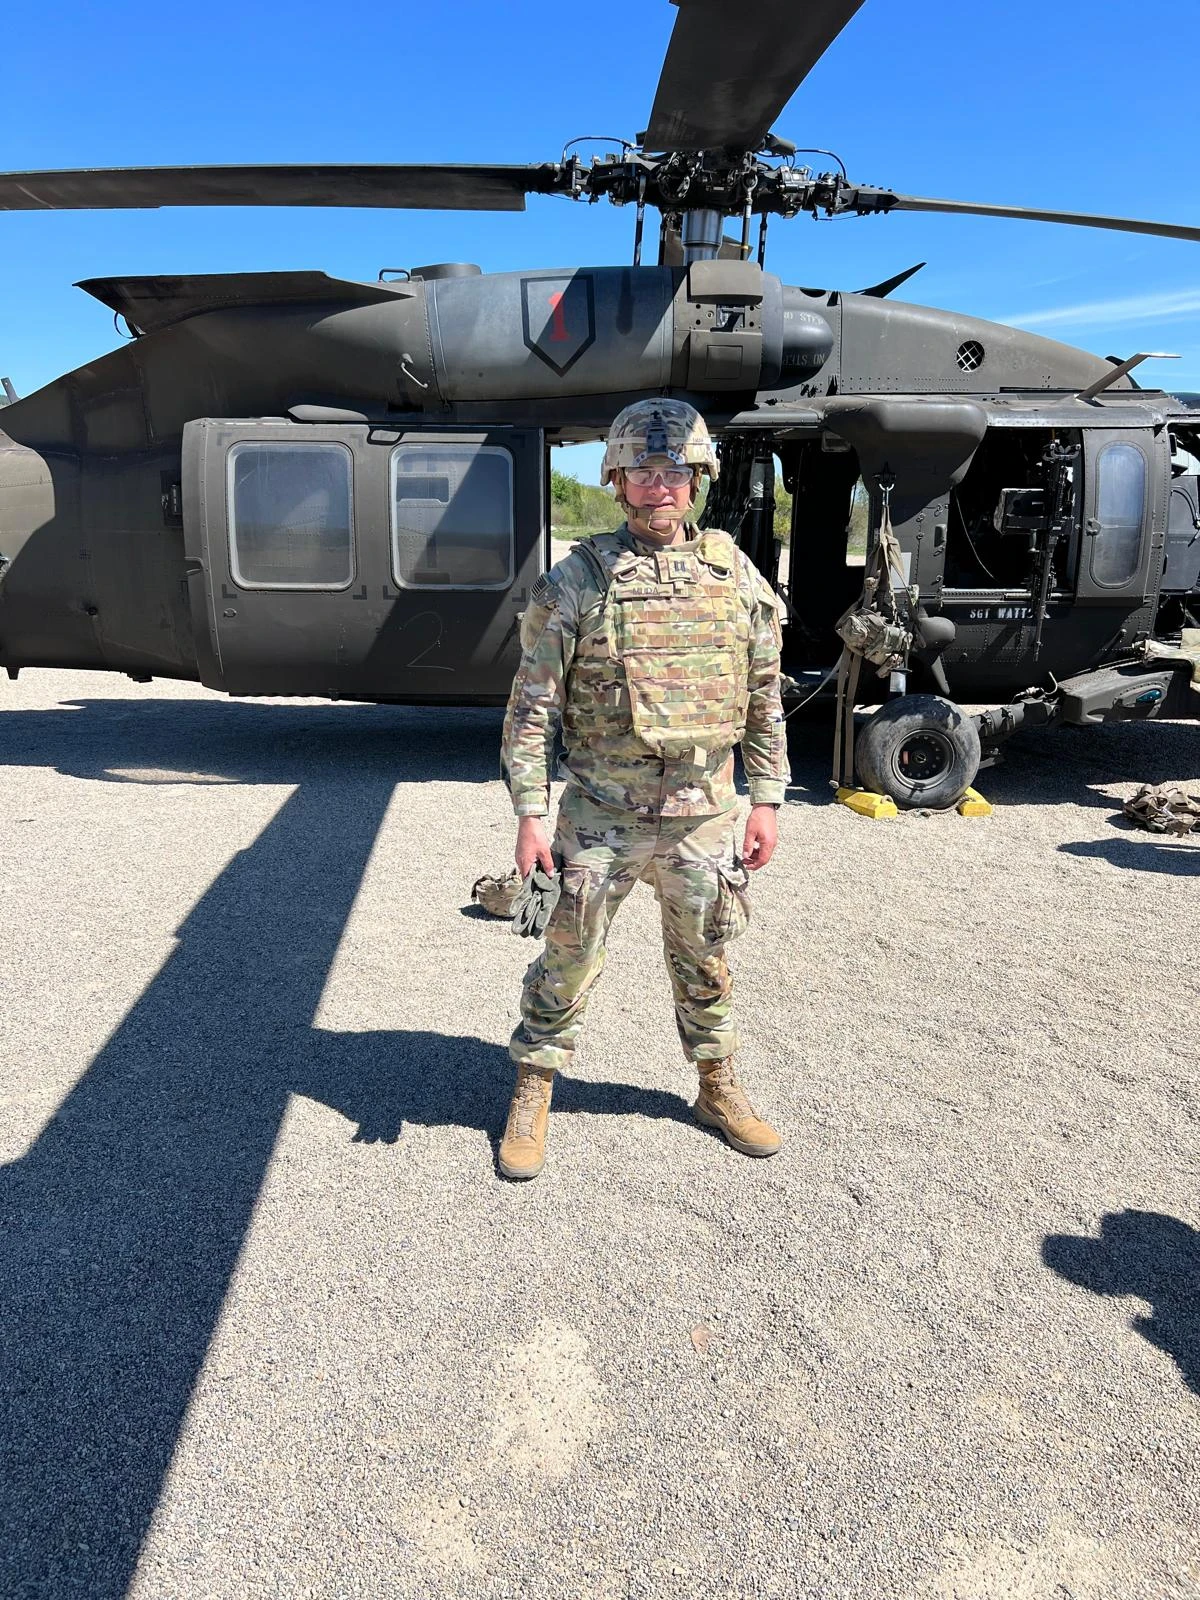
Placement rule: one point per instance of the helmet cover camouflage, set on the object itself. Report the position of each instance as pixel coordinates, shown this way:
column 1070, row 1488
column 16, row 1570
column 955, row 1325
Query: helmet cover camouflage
column 498, row 895
column 658, row 427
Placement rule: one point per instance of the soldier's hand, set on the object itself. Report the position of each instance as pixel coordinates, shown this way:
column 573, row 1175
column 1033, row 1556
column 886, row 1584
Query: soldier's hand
column 533, row 844
column 762, row 835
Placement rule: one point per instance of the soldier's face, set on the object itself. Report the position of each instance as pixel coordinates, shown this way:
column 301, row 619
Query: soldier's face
column 658, row 511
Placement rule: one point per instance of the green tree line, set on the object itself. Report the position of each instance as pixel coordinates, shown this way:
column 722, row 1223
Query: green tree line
column 577, row 508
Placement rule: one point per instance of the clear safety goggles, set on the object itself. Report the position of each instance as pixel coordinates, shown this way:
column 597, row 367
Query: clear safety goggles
column 669, row 477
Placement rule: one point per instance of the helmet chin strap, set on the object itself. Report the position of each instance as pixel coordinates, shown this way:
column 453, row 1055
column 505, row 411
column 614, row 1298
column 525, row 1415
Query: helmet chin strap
column 668, row 518
column 639, row 517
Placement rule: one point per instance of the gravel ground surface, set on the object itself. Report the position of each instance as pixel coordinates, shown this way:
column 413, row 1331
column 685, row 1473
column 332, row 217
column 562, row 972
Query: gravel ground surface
column 273, row 1326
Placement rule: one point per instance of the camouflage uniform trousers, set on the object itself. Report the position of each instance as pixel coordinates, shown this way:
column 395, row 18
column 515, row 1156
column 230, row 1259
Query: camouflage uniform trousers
column 700, row 888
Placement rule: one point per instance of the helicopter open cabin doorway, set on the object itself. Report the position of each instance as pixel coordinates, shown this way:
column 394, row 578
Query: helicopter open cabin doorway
column 360, row 561
column 1027, row 601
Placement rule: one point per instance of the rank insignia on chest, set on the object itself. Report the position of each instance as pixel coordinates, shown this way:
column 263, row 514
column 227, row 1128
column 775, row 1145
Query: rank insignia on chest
column 674, row 567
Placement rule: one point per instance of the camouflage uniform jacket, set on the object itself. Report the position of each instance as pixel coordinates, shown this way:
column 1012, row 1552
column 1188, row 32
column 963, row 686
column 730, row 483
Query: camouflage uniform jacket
column 613, row 767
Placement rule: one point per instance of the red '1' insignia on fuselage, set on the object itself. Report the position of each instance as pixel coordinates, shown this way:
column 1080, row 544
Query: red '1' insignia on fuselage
column 558, row 315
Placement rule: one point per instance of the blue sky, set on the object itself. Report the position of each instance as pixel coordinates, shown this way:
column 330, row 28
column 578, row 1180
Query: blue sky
column 1082, row 104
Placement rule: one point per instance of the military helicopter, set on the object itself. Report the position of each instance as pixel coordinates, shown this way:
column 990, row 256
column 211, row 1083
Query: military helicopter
column 292, row 484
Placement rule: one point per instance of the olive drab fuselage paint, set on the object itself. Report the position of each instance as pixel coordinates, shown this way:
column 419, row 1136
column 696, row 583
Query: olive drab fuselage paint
column 149, row 523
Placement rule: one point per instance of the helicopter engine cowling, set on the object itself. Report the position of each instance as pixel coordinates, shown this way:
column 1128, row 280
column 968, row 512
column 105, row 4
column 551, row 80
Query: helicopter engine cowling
column 461, row 337
column 806, row 338
column 713, row 327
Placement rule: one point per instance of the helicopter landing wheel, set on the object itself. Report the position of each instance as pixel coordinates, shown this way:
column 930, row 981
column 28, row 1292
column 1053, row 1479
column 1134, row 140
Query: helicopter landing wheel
column 920, row 750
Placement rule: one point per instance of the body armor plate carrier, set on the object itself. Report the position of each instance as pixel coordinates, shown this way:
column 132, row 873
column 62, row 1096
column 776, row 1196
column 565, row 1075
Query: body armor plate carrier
column 677, row 623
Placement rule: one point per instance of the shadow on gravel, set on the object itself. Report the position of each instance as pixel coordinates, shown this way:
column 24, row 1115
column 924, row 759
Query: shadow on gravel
column 239, row 741
column 1152, row 1256
column 1173, row 856
column 1053, row 766
column 810, row 756
column 380, row 1081
column 121, row 1226
column 1050, row 766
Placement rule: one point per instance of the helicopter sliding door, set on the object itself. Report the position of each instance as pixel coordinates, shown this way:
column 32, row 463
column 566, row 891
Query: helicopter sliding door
column 1126, row 476
column 360, row 560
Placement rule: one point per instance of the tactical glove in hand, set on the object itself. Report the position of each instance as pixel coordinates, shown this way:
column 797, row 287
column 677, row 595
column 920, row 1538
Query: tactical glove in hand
column 537, row 899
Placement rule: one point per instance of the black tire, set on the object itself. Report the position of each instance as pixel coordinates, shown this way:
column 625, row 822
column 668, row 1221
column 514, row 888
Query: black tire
column 919, row 749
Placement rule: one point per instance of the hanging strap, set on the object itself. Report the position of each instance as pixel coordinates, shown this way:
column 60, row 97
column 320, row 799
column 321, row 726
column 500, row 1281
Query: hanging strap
column 600, row 568
column 877, row 606
column 849, row 668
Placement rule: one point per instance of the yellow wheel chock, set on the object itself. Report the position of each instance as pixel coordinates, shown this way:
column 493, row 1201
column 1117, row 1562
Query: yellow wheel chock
column 867, row 804
column 972, row 804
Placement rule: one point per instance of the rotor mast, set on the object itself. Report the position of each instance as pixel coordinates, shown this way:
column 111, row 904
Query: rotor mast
column 701, row 235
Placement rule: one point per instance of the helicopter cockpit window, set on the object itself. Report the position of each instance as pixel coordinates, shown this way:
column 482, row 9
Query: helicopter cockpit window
column 291, row 515
column 1120, row 500
column 452, row 516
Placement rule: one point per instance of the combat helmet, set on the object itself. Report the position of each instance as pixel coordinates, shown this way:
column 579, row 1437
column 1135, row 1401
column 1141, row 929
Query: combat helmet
column 658, row 427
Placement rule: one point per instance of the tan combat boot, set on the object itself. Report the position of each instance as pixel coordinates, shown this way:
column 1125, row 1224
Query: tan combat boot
column 523, row 1147
column 722, row 1104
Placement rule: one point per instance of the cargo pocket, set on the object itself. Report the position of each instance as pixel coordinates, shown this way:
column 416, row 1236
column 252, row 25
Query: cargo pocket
column 730, row 913
column 571, row 915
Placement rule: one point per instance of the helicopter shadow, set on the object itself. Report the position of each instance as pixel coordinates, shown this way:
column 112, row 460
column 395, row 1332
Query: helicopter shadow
column 810, row 761
column 238, row 741
column 1056, row 766
column 122, row 1224
column 1150, row 1255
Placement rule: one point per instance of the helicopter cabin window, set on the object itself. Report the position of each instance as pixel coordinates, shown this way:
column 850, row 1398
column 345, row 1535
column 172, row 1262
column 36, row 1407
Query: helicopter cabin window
column 1120, row 501
column 452, row 516
column 291, row 516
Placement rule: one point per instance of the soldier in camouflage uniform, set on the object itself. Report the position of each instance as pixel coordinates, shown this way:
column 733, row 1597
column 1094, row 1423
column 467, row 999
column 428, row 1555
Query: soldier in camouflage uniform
column 653, row 651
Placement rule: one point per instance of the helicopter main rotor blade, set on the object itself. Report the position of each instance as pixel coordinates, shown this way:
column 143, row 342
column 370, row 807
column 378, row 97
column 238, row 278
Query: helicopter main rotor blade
column 884, row 200
column 732, row 66
column 450, row 188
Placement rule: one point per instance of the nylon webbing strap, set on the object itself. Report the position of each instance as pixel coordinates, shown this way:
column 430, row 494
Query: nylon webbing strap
column 843, row 735
column 889, row 548
column 840, row 716
column 878, row 590
column 594, row 560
